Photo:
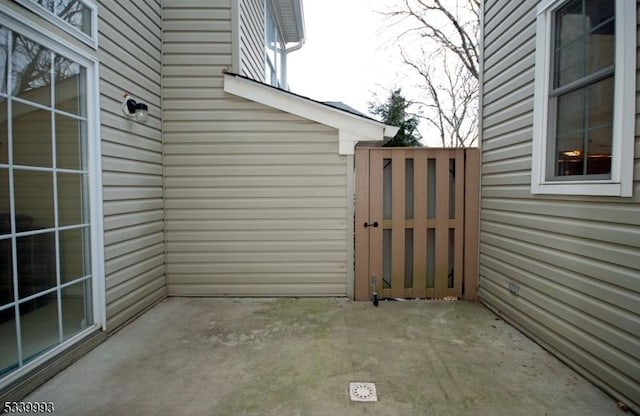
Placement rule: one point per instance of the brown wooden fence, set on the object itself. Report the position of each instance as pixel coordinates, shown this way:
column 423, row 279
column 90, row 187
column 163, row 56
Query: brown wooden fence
column 416, row 222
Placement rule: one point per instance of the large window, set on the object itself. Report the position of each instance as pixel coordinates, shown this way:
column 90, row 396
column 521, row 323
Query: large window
column 45, row 251
column 584, row 103
column 275, row 54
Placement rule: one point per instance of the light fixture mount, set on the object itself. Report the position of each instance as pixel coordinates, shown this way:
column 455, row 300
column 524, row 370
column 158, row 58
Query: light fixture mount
column 135, row 109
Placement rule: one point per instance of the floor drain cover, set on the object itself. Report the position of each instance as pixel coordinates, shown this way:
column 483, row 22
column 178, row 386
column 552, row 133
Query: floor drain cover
column 363, row 392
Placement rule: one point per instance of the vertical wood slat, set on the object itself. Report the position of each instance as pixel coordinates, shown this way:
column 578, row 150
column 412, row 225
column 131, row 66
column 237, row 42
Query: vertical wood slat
column 397, row 221
column 442, row 224
column 376, row 161
column 362, row 234
column 458, row 259
column 419, row 224
column 471, row 223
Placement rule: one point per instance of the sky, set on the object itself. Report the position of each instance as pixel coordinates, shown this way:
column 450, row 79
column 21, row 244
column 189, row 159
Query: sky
column 348, row 55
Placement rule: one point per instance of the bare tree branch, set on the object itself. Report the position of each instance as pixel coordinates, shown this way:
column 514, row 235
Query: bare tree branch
column 448, row 65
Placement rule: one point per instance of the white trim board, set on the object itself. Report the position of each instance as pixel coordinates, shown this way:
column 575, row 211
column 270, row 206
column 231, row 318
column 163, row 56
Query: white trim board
column 351, row 128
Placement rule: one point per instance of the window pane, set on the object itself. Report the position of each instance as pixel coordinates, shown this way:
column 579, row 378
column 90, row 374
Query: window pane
column 6, row 272
column 39, row 325
column 36, row 263
column 601, row 48
column 599, row 11
column 76, row 13
column 47, row 4
column 5, row 213
column 73, row 262
column 76, row 308
column 570, row 112
column 70, row 203
column 33, row 200
column 31, row 70
column 8, row 344
column 69, row 140
column 570, row 23
column 599, row 151
column 570, row 155
column 4, row 137
column 69, row 79
column 600, row 97
column 4, row 55
column 32, row 139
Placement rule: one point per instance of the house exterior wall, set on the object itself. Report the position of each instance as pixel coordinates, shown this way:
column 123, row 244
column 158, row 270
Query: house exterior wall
column 130, row 36
column 251, row 38
column 256, row 198
column 576, row 260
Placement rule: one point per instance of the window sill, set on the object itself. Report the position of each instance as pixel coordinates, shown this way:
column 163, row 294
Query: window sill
column 585, row 188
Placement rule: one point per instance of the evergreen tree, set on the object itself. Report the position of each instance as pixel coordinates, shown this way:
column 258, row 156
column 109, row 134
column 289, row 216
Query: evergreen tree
column 393, row 112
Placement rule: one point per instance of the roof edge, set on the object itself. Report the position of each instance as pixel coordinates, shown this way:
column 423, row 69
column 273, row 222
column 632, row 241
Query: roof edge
column 352, row 128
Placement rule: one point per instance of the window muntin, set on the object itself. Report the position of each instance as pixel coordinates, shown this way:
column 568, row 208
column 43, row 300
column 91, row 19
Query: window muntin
column 584, row 101
column 78, row 17
column 46, row 293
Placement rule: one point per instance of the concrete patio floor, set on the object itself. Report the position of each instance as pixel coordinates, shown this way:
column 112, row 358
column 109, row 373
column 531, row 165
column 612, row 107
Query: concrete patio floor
column 201, row 356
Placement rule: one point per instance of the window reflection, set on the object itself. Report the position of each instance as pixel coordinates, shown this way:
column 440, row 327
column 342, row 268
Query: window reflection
column 73, row 264
column 68, row 78
column 32, row 138
column 74, row 12
column 36, row 255
column 31, row 70
column 8, row 344
column 33, row 200
column 69, row 138
column 6, row 273
column 39, row 325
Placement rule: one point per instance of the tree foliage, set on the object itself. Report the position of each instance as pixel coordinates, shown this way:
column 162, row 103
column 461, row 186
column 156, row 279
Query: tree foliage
column 447, row 62
column 394, row 112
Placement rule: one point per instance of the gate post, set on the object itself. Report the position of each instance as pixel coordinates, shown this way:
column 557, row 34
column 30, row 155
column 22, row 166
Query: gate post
column 471, row 223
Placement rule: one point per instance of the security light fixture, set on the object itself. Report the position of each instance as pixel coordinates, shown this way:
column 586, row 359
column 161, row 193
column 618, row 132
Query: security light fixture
column 132, row 108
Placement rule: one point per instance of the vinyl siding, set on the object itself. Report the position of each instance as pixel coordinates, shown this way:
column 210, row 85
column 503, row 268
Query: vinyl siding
column 252, row 38
column 575, row 259
column 129, row 51
column 256, row 198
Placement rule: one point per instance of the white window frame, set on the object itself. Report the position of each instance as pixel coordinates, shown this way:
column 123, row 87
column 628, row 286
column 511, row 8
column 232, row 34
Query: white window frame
column 278, row 76
column 16, row 22
column 91, row 40
column 622, row 158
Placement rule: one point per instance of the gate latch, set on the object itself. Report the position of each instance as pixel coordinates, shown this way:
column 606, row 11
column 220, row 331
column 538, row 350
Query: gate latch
column 371, row 224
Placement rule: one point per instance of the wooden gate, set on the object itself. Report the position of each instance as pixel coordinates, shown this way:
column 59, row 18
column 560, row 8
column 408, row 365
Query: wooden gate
column 416, row 222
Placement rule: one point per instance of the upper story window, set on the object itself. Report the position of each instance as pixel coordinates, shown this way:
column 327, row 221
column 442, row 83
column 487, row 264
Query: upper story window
column 275, row 53
column 77, row 17
column 585, row 98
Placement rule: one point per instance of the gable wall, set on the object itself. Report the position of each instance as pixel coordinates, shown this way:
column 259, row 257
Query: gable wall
column 575, row 259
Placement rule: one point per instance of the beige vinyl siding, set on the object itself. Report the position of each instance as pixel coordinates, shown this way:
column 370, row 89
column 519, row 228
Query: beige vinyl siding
column 255, row 198
column 129, row 51
column 575, row 259
column 256, row 205
column 252, row 38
